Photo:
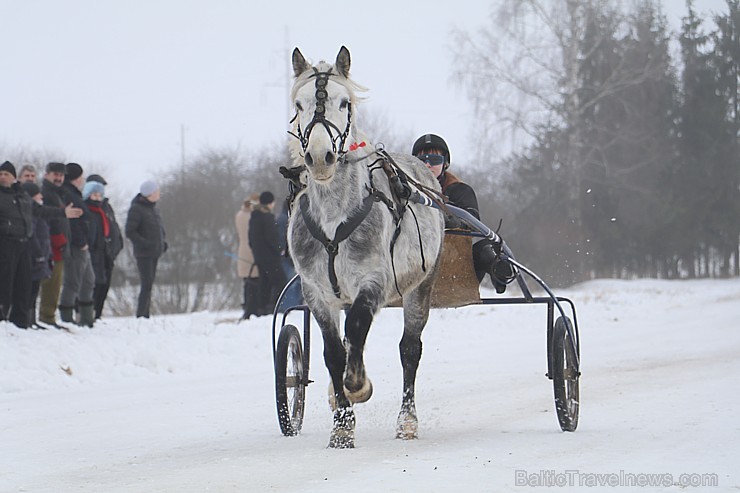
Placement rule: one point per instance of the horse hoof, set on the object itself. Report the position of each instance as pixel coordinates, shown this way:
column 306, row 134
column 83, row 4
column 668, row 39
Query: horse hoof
column 407, row 433
column 362, row 395
column 407, row 427
column 343, row 433
column 342, row 439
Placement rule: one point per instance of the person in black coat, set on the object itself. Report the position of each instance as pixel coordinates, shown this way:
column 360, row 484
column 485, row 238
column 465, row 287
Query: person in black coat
column 114, row 243
column 145, row 230
column 93, row 193
column 50, row 289
column 79, row 278
column 17, row 210
column 39, row 248
column 264, row 239
column 433, row 150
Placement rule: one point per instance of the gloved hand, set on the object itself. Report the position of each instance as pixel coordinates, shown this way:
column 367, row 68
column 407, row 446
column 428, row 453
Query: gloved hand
column 487, row 260
column 502, row 273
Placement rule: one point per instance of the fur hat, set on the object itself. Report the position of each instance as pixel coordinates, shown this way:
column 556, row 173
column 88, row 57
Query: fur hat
column 148, row 187
column 54, row 167
column 96, row 178
column 267, row 198
column 74, row 171
column 90, row 188
column 31, row 189
column 8, row 166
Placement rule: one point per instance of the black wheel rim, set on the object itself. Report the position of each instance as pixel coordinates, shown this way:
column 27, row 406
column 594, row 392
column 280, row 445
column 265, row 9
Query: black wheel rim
column 290, row 385
column 565, row 376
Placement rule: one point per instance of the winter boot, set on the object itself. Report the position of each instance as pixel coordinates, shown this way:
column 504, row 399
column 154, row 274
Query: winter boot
column 67, row 314
column 87, row 313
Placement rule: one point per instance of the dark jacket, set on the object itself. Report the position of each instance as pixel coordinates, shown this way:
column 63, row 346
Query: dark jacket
column 58, row 228
column 115, row 241
column 17, row 210
column 79, row 227
column 40, row 250
column 460, row 193
column 264, row 237
column 100, row 242
column 145, row 229
column 15, row 213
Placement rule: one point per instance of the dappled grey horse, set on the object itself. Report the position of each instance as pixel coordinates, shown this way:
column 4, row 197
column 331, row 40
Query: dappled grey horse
column 356, row 245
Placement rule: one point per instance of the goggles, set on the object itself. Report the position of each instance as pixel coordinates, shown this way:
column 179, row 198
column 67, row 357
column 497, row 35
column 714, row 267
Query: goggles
column 432, row 159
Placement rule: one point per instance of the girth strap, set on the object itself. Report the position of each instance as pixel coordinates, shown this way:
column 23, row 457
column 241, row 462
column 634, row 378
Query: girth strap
column 342, row 233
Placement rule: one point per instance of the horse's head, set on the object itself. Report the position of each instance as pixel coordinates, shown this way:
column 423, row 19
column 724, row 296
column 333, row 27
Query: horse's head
column 323, row 96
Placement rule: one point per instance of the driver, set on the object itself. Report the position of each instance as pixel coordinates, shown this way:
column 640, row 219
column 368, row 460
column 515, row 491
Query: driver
column 433, row 150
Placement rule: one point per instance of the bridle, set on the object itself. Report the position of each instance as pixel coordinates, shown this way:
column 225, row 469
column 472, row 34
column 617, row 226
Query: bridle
column 319, row 117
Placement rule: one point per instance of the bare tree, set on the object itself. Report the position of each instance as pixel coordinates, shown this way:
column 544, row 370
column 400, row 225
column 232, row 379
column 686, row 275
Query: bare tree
column 524, row 75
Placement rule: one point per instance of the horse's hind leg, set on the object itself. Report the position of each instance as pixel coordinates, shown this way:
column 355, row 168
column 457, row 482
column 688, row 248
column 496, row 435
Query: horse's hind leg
column 343, row 432
column 415, row 315
column 358, row 387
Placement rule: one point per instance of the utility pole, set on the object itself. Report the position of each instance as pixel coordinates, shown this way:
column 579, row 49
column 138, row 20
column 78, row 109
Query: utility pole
column 182, row 145
column 288, row 67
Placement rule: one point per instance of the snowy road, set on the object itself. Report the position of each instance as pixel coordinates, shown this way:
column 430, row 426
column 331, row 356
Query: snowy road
column 186, row 403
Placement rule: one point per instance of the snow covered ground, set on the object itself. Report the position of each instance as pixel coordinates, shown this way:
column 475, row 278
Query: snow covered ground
column 186, row 403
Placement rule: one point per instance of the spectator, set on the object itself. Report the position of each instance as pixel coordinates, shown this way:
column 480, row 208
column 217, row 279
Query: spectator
column 54, row 196
column 79, row 278
column 93, row 193
column 265, row 242
column 27, row 174
column 246, row 269
column 39, row 249
column 145, row 230
column 17, row 210
column 114, row 247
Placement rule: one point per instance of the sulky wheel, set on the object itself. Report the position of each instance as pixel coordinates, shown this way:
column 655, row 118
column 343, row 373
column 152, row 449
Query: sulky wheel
column 565, row 374
column 290, row 384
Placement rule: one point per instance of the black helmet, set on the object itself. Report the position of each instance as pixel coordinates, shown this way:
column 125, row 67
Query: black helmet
column 431, row 141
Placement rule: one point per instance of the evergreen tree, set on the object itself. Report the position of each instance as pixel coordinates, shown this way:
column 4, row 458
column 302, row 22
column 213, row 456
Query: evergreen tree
column 725, row 220
column 703, row 134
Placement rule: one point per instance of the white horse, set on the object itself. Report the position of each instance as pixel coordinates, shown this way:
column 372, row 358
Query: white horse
column 355, row 245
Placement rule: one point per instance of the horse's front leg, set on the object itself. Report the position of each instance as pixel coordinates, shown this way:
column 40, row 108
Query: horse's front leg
column 358, row 387
column 343, row 432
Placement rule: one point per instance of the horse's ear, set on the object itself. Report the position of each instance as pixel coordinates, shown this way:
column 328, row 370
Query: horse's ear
column 343, row 61
column 299, row 63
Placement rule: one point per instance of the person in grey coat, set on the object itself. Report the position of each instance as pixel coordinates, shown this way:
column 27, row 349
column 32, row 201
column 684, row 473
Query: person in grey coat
column 79, row 278
column 145, row 230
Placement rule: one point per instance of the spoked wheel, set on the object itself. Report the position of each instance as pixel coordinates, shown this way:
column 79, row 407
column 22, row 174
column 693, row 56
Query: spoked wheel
column 290, row 384
column 564, row 373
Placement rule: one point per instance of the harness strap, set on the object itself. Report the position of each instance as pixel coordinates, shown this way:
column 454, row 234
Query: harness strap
column 342, row 233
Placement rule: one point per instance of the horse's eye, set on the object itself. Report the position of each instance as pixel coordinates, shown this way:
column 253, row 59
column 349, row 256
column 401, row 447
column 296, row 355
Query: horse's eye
column 343, row 105
column 298, row 106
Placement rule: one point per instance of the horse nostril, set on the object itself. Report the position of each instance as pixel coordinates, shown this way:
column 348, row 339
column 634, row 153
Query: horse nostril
column 330, row 158
column 308, row 159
